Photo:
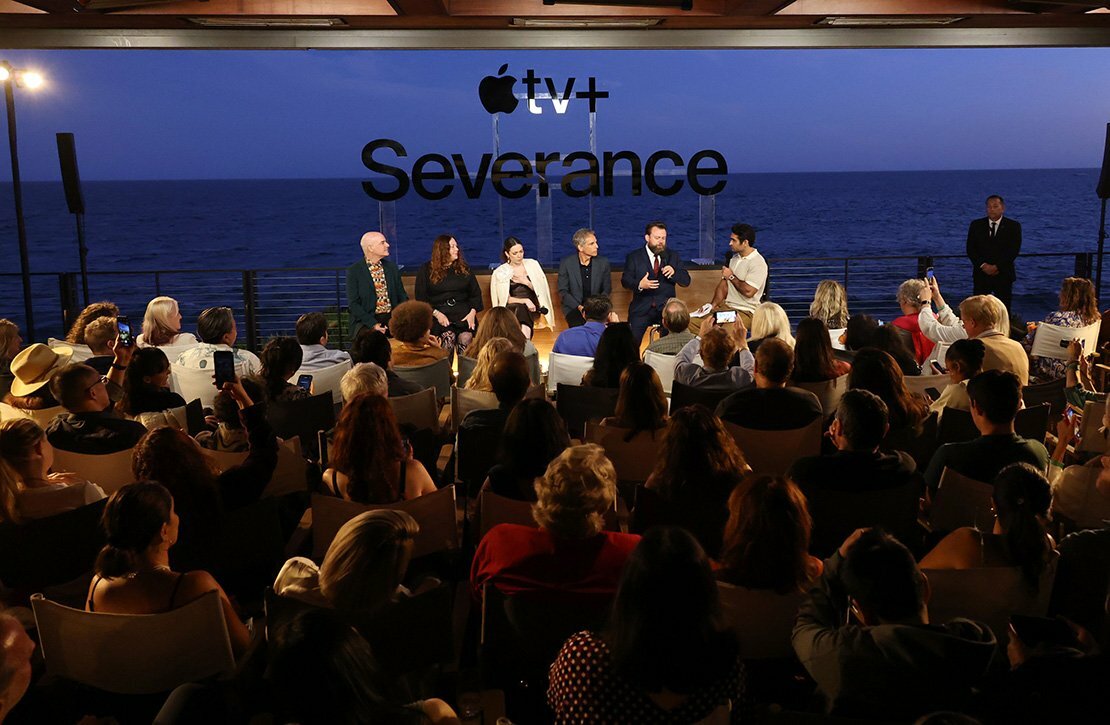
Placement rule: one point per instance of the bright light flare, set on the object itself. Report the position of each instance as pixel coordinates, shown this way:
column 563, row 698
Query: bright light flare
column 4, row 74
column 32, row 79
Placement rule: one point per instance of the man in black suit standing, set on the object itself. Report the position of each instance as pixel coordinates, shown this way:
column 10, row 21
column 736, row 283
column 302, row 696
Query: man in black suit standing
column 581, row 275
column 651, row 273
column 992, row 245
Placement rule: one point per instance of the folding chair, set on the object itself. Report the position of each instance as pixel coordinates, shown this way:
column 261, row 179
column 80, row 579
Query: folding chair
column 110, row 471
column 581, row 404
column 772, row 452
column 435, row 375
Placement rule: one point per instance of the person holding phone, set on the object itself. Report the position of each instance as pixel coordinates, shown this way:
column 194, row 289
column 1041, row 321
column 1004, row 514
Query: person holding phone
column 963, row 361
column 1078, row 308
column 910, row 300
column 705, row 362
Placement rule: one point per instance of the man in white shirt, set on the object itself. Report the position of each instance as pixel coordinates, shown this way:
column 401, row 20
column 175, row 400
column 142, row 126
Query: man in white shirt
column 217, row 331
column 312, row 334
column 744, row 279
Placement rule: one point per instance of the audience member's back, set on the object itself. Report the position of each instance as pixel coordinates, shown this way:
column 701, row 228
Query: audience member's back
column 510, row 380
column 770, row 405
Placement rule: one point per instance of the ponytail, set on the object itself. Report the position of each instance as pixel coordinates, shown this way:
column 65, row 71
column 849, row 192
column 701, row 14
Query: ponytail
column 1021, row 499
column 132, row 519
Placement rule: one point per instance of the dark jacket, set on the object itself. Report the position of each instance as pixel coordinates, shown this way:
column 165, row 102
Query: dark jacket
column 770, row 408
column 571, row 293
column 1000, row 251
column 361, row 297
column 636, row 265
column 854, row 471
column 982, row 458
column 94, row 433
column 462, row 290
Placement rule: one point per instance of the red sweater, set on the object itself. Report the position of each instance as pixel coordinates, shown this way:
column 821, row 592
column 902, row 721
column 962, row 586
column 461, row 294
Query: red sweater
column 922, row 345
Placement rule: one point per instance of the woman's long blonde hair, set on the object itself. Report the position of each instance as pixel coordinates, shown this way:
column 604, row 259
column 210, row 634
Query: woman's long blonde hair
column 830, row 304
column 367, row 559
column 497, row 322
column 157, row 327
column 770, row 320
column 479, row 379
column 17, row 437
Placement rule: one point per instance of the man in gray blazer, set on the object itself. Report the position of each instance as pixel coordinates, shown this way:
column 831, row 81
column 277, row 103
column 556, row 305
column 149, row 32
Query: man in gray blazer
column 581, row 275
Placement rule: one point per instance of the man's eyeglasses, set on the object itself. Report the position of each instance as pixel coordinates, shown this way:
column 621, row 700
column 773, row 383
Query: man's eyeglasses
column 101, row 379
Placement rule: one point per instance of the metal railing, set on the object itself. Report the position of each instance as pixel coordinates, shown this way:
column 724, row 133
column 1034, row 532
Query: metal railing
column 267, row 302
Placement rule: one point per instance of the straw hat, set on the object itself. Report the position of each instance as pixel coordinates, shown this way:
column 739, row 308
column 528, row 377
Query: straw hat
column 33, row 367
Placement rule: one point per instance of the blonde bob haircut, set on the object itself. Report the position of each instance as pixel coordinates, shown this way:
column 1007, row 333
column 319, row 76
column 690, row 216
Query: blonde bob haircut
column 770, row 320
column 367, row 560
column 159, row 328
column 830, row 304
column 579, row 486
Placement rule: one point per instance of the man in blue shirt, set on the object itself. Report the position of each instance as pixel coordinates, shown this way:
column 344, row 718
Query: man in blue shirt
column 582, row 340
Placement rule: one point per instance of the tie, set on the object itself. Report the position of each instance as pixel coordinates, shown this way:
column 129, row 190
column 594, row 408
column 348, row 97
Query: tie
column 994, row 225
column 655, row 268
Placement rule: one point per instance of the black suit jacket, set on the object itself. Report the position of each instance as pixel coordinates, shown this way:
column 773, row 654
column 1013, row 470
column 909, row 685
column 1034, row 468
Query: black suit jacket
column 571, row 293
column 636, row 265
column 1001, row 251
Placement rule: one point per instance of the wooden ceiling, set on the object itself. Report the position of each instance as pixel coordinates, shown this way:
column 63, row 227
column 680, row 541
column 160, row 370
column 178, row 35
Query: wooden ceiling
column 573, row 23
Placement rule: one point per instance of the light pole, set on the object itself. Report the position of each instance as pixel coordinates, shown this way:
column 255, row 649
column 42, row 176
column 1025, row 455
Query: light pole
column 12, row 77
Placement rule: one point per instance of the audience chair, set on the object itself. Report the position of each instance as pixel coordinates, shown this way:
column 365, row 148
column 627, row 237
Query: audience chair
column 920, row 442
column 476, row 451
column 1032, row 421
column 1050, row 393
column 435, row 512
column 772, row 452
column 110, row 471
column 905, row 336
column 567, row 369
column 1048, row 337
column 464, row 401
column 191, row 383
column 40, row 553
column 836, row 514
column 581, row 404
column 466, row 369
column 325, row 379
column 303, row 418
column 920, row 383
column 633, row 459
column 534, row 371
column 762, row 619
column 194, row 417
column 418, row 410
column 683, row 395
column 42, row 417
column 961, row 501
column 174, row 351
column 1091, row 440
column 705, row 522
column 289, row 475
column 435, row 375
column 829, row 392
column 81, row 353
column 664, row 366
column 989, row 595
column 537, row 391
column 494, row 509
column 135, row 654
column 956, row 426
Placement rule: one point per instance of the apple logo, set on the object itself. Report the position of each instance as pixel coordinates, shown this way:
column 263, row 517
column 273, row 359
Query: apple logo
column 496, row 92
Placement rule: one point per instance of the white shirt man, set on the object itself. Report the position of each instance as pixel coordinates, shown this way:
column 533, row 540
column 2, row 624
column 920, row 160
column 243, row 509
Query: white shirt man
column 745, row 277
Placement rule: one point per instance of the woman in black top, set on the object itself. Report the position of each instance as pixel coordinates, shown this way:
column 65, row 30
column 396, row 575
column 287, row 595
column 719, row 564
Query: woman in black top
column 145, row 384
column 447, row 284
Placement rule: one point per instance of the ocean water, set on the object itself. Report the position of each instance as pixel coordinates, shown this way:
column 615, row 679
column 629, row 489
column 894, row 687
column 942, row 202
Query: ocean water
column 290, row 223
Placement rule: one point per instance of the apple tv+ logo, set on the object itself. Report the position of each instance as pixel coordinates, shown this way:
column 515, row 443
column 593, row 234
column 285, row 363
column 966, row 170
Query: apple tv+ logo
column 514, row 175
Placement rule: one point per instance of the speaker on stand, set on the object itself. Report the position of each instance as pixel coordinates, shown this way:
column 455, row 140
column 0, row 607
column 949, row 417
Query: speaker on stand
column 71, row 180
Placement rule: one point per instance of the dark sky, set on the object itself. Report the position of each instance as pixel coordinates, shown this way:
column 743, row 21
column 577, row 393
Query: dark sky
column 307, row 114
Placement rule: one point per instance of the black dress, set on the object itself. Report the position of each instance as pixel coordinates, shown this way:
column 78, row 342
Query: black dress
column 454, row 296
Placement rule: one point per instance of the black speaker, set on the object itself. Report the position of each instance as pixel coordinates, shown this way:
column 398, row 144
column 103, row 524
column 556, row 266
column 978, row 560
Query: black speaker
column 1103, row 188
column 67, row 156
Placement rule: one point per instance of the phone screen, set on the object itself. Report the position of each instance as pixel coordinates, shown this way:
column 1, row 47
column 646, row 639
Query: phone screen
column 928, row 273
column 305, row 381
column 938, row 368
column 724, row 316
column 224, row 363
column 124, row 327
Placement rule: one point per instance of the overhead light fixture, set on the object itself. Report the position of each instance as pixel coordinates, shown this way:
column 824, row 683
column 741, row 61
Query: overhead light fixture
column 585, row 23
column 289, row 23
column 889, row 21
column 685, row 5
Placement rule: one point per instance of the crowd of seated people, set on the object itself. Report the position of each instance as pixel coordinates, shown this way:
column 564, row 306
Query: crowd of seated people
column 865, row 609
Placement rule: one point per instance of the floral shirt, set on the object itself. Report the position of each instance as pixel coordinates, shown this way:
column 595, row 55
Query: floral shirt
column 381, row 290
column 1045, row 369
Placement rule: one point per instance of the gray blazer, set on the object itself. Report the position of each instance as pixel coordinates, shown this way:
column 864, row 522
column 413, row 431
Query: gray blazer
column 571, row 293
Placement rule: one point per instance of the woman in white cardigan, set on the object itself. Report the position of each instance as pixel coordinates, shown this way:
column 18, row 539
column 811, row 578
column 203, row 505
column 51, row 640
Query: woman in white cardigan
column 521, row 285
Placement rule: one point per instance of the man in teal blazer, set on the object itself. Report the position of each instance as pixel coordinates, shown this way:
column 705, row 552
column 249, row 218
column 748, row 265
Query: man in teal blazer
column 362, row 297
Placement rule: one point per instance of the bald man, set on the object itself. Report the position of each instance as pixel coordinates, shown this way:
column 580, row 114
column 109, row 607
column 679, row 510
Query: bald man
column 373, row 286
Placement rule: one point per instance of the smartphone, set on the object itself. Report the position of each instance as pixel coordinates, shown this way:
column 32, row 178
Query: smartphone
column 724, row 316
column 1082, row 343
column 124, row 326
column 938, row 368
column 224, row 363
column 933, row 393
column 1033, row 631
column 929, row 273
column 305, row 381
column 1070, row 415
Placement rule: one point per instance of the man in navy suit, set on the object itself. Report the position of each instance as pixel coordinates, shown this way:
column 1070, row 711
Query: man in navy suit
column 581, row 275
column 651, row 273
column 992, row 245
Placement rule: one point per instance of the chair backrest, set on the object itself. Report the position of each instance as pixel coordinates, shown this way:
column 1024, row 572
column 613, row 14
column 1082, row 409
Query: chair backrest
column 476, row 451
column 289, row 474
column 325, row 379
column 1048, row 338
column 464, row 401
column 961, row 501
column 435, row 512
column 435, row 375
column 418, row 410
column 466, row 369
column 534, row 371
column 663, row 365
column 174, row 351
column 1092, row 441
column 192, row 383
column 567, row 369
column 303, row 418
column 920, row 383
column 81, row 353
column 1032, row 422
column 135, row 653
column 194, row 417
column 683, row 395
column 495, row 509
column 772, row 452
column 634, row 460
column 762, row 619
column 828, row 392
column 1051, row 393
column 989, row 595
column 42, row 417
column 956, row 426
column 580, row 404
column 836, row 514
column 42, row 552
column 110, row 471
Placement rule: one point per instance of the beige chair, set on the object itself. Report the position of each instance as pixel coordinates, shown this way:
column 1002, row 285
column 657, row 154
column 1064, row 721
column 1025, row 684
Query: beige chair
column 81, row 353
column 1048, row 337
column 325, row 379
column 989, row 595
column 418, row 410
column 567, row 369
column 435, row 512
column 634, row 460
column 762, row 619
column 193, row 384
column 920, row 383
column 464, row 401
column 772, row 452
column 436, row 375
column 42, row 417
column 663, row 365
column 289, row 474
column 110, row 471
column 961, row 501
column 828, row 392
column 1092, row 440
column 173, row 352
column 494, row 509
column 135, row 654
